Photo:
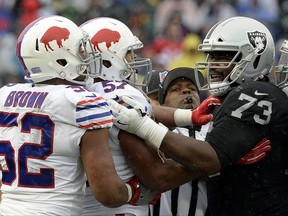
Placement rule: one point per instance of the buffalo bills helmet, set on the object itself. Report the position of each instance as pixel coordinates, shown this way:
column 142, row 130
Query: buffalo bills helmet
column 113, row 39
column 55, row 47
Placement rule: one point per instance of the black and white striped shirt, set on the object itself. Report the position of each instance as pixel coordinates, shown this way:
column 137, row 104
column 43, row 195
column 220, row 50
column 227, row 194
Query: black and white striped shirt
column 189, row 199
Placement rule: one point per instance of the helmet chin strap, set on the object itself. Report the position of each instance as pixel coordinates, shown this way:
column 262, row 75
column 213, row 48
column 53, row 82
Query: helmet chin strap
column 89, row 82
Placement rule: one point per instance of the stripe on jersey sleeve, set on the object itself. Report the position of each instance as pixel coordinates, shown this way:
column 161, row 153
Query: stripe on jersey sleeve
column 93, row 113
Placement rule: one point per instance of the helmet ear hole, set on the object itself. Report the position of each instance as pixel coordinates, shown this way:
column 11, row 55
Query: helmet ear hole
column 37, row 45
column 220, row 40
column 256, row 62
column 62, row 62
column 107, row 63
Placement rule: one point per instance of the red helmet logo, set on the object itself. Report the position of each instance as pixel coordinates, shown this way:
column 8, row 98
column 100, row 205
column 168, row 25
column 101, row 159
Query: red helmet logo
column 54, row 33
column 105, row 35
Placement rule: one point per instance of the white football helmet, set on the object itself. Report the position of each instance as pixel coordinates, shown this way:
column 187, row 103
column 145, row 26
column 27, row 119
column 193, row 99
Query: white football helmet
column 55, row 47
column 114, row 39
column 251, row 45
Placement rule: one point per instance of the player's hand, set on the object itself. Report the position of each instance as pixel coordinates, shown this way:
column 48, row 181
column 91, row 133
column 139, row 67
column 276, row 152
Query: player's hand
column 200, row 115
column 131, row 102
column 203, row 113
column 136, row 121
column 141, row 194
column 125, row 118
column 257, row 153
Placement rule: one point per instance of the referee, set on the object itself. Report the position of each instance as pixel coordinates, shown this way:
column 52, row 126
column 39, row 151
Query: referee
column 179, row 90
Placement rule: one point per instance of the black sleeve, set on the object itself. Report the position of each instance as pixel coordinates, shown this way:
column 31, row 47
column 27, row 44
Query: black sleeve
column 232, row 139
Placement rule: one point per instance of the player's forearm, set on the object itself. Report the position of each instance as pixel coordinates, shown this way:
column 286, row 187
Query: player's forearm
column 196, row 155
column 146, row 163
column 201, row 115
column 114, row 196
column 105, row 184
column 171, row 175
column 165, row 115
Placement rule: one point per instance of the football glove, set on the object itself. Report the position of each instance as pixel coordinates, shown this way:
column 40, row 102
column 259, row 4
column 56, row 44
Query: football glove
column 136, row 121
column 257, row 153
column 141, row 194
column 200, row 115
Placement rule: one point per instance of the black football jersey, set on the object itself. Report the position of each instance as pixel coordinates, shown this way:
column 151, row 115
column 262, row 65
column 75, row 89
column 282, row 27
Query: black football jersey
column 248, row 113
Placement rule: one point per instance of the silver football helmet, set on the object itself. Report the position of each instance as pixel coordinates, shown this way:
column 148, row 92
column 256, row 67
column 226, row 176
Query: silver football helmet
column 281, row 69
column 113, row 39
column 55, row 47
column 250, row 46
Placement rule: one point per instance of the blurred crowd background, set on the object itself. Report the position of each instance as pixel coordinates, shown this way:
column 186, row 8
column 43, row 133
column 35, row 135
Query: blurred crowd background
column 170, row 29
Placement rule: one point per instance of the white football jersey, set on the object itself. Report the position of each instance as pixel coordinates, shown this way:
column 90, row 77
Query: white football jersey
column 40, row 133
column 116, row 90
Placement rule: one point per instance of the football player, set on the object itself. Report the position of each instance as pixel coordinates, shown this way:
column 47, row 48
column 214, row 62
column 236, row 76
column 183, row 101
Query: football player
column 53, row 129
column 240, row 54
column 118, row 70
column 117, row 45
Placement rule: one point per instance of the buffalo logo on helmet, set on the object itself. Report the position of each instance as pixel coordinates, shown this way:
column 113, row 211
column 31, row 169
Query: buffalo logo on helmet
column 106, row 36
column 54, row 33
column 258, row 40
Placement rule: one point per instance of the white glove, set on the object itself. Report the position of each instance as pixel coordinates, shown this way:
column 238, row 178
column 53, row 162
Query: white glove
column 136, row 121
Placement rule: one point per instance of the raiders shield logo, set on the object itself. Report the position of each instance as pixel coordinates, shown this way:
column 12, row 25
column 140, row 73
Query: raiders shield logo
column 162, row 75
column 258, row 40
